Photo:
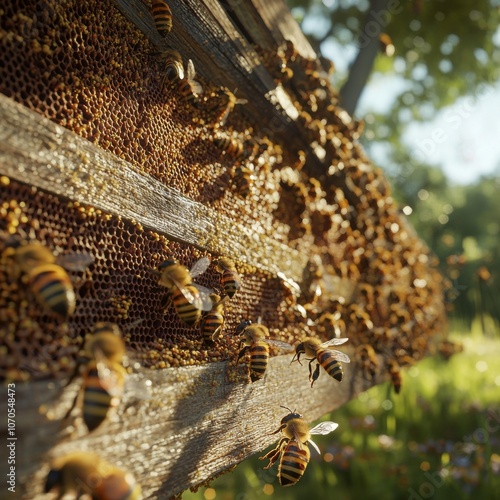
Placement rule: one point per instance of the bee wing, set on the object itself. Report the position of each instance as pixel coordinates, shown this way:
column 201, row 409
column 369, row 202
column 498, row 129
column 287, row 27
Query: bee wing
column 75, row 261
column 324, row 428
column 203, row 301
column 333, row 342
column 196, row 87
column 281, row 345
column 191, row 73
column 199, row 267
column 314, row 445
column 139, row 387
column 340, row 356
column 108, row 377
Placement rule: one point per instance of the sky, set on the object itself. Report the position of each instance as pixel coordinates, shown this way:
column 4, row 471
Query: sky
column 463, row 139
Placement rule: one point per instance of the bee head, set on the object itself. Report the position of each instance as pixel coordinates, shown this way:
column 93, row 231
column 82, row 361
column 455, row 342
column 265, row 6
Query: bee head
column 291, row 416
column 54, row 478
column 241, row 327
column 298, row 351
column 165, row 264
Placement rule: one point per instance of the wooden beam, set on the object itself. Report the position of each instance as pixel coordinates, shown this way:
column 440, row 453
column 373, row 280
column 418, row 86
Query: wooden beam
column 38, row 152
column 196, row 422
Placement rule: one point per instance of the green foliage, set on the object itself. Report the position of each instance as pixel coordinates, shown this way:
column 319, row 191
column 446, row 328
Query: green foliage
column 443, row 48
column 439, row 438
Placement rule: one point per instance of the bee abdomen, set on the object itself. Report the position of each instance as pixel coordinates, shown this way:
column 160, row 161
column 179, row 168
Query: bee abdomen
column 331, row 365
column 186, row 311
column 212, row 324
column 162, row 16
column 293, row 463
column 231, row 286
column 53, row 289
column 259, row 356
column 96, row 401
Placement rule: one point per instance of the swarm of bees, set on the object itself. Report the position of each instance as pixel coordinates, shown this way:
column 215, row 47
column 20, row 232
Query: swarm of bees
column 102, row 358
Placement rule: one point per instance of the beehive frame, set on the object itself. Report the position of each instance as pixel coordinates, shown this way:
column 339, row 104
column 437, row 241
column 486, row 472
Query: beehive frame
column 77, row 181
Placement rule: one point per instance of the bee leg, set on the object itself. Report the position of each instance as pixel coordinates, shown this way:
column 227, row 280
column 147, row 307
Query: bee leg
column 242, row 352
column 315, row 374
column 274, row 454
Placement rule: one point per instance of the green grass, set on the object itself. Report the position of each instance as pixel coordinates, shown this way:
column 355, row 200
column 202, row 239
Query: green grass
column 439, row 438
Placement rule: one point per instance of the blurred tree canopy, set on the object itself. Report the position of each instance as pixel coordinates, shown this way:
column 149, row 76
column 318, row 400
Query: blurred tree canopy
column 442, row 50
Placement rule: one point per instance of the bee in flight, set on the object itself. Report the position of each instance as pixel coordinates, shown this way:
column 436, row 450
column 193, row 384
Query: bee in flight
column 162, row 16
column 104, row 375
column 46, row 274
column 314, row 350
column 292, row 449
column 189, row 299
column 86, row 473
column 253, row 337
column 231, row 280
column 213, row 322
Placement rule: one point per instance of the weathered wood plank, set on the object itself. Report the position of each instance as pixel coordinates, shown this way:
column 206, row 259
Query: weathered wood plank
column 196, row 422
column 36, row 151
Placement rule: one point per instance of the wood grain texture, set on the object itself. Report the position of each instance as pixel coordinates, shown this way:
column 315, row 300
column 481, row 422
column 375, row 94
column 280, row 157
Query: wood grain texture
column 36, row 151
column 196, row 422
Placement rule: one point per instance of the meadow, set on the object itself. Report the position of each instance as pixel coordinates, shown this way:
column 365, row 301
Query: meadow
column 439, row 438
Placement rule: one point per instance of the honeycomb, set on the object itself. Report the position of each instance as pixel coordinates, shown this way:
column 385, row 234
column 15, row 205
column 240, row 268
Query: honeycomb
column 87, row 68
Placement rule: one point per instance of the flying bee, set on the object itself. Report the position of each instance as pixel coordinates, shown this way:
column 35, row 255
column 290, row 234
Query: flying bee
column 314, row 350
column 188, row 87
column 253, row 337
column 86, row 473
column 231, row 280
column 189, row 299
column 46, row 275
column 162, row 16
column 213, row 322
column 226, row 104
column 104, row 375
column 292, row 449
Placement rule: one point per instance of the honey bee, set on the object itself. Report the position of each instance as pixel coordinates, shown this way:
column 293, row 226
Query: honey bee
column 314, row 350
column 104, row 375
column 162, row 16
column 189, row 299
column 395, row 374
column 292, row 449
column 227, row 103
column 173, row 65
column 213, row 322
column 188, row 87
column 46, row 276
column 231, row 280
column 255, row 342
column 231, row 147
column 243, row 180
column 368, row 360
column 86, row 473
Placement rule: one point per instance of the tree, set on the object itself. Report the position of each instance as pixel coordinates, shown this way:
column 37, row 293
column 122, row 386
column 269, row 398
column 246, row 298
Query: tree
column 444, row 49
